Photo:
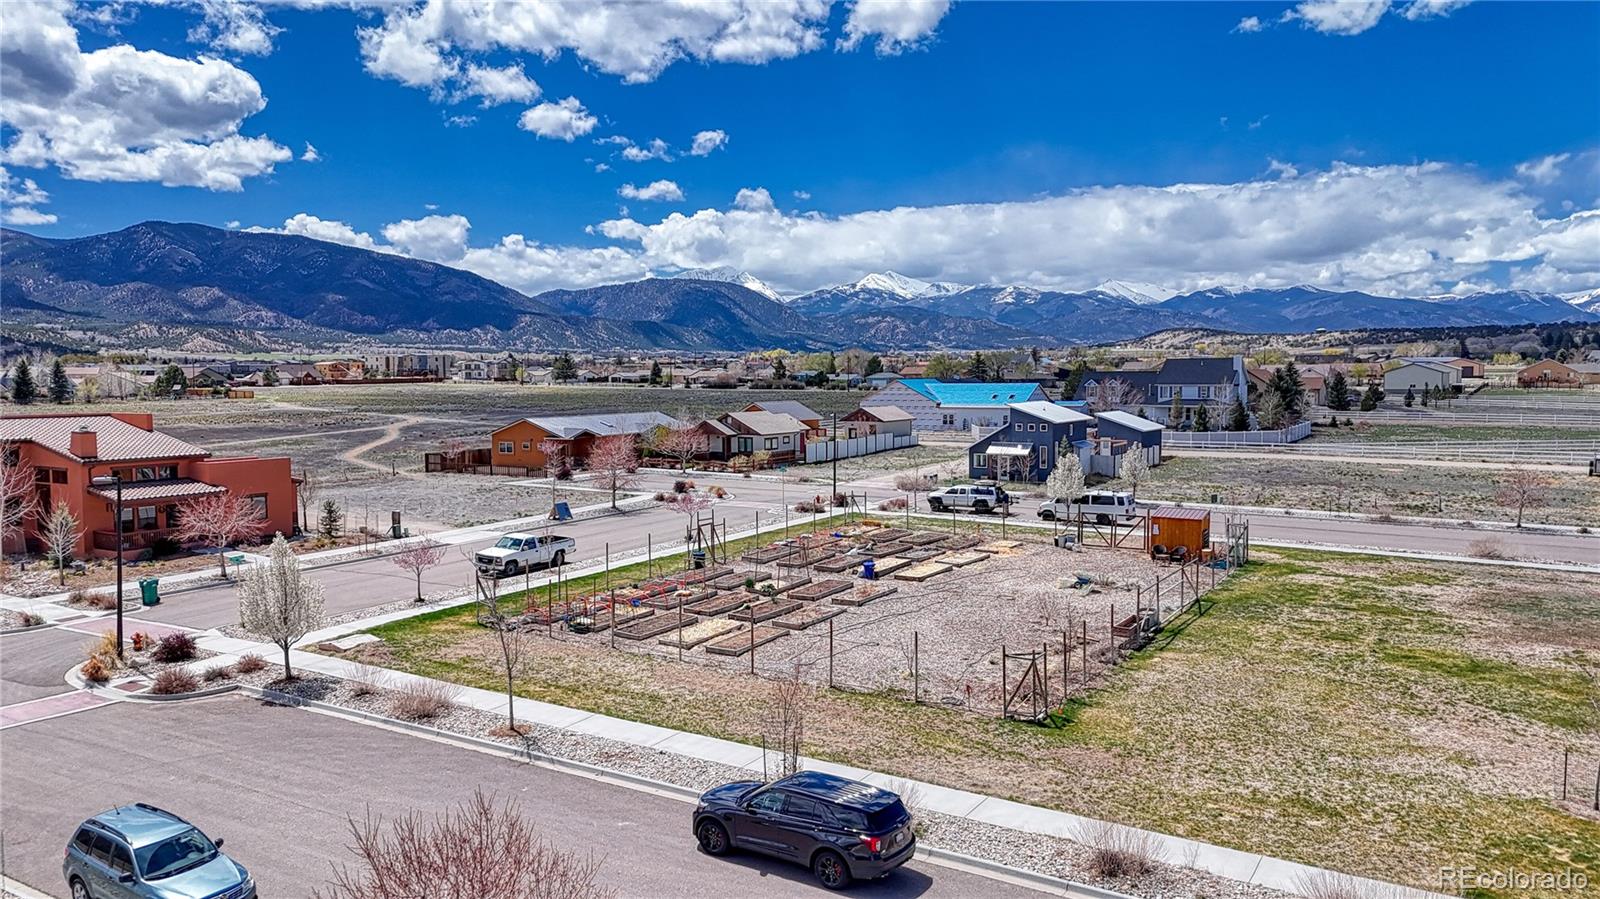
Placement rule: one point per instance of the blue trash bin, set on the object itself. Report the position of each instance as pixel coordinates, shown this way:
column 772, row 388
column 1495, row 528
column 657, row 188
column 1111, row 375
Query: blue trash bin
column 869, row 570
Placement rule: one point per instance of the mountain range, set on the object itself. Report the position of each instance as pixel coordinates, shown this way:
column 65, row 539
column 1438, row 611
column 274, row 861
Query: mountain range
column 162, row 273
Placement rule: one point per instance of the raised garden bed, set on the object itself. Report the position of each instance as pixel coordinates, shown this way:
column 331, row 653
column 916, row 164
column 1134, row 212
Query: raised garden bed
column 678, row 598
column 923, row 538
column 880, row 550
column 737, row 644
column 654, row 626
column 778, row 588
column 769, row 554
column 1001, row 546
column 761, row 611
column 838, row 564
column 806, row 616
column 719, row 604
column 621, row 615
column 699, row 632
column 820, row 589
column 735, row 581
column 921, row 553
column 922, row 571
column 699, row 575
column 855, row 598
column 807, row 559
column 885, row 535
column 889, row 565
column 954, row 543
column 961, row 559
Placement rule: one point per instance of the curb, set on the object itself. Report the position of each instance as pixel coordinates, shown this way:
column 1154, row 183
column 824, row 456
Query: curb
column 76, row 680
column 17, row 887
column 981, row 866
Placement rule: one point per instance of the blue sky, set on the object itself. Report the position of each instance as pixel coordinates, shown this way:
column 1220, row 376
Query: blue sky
column 983, row 142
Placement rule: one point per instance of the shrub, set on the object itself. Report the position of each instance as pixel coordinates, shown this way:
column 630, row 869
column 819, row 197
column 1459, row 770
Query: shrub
column 422, row 700
column 894, row 504
column 93, row 599
column 840, row 500
column 807, row 505
column 105, row 647
column 175, row 647
column 162, row 547
column 719, row 493
column 172, row 681
column 661, row 497
column 250, row 663
column 219, row 672
column 1121, row 852
column 680, row 486
column 1487, row 548
column 95, row 671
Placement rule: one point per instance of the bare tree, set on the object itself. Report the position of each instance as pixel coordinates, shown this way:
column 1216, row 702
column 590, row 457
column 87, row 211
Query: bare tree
column 511, row 652
column 683, row 445
column 419, row 557
column 218, row 520
column 614, row 462
column 19, row 496
column 277, row 601
column 557, row 459
column 306, row 491
column 1066, row 480
column 910, row 483
column 454, row 448
column 61, row 533
column 1113, row 393
column 791, row 697
column 1521, row 489
column 480, row 850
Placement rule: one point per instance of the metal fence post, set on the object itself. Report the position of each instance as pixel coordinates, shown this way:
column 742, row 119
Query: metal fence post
column 916, row 668
column 830, row 653
column 1004, row 710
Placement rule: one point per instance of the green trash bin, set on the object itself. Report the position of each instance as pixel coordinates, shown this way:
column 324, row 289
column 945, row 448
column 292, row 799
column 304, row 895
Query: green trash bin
column 149, row 590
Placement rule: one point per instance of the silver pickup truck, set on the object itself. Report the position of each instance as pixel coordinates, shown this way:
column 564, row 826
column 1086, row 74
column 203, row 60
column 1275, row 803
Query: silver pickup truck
column 515, row 553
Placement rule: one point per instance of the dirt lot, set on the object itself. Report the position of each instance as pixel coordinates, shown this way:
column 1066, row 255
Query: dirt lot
column 1376, row 712
column 1376, row 488
column 498, row 403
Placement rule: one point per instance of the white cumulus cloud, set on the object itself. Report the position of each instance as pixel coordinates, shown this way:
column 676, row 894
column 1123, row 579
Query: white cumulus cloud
column 122, row 114
column 499, row 84
column 1428, row 9
column 1248, row 25
column 19, row 199
column 1543, row 170
column 655, row 191
column 898, row 25
column 234, row 26
column 657, row 149
column 1342, row 17
column 307, row 225
column 705, row 142
column 754, row 199
column 310, row 154
column 562, row 120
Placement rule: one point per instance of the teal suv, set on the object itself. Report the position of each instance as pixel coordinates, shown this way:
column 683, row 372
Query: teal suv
column 143, row 852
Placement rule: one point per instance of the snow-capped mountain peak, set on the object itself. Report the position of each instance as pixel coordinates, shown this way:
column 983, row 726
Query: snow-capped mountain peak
column 1584, row 299
column 732, row 276
column 902, row 286
column 1137, row 291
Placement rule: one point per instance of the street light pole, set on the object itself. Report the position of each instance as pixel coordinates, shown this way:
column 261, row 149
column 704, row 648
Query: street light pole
column 115, row 480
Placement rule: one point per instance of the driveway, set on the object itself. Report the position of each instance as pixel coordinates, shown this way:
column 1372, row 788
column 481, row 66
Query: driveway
column 278, row 783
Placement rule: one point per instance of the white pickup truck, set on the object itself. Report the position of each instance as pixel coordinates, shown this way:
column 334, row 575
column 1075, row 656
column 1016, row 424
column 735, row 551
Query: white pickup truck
column 515, row 553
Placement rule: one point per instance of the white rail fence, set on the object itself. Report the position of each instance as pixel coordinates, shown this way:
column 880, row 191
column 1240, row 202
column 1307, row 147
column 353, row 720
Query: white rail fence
column 827, row 450
column 1300, row 430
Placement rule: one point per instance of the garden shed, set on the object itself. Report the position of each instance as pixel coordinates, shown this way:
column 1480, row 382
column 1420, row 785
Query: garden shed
column 1172, row 527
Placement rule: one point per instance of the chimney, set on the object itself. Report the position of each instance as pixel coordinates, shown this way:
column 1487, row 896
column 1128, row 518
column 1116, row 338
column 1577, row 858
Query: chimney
column 85, row 443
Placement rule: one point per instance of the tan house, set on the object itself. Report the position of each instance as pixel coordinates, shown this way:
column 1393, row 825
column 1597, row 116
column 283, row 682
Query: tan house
column 869, row 420
column 782, row 435
column 1549, row 373
column 522, row 443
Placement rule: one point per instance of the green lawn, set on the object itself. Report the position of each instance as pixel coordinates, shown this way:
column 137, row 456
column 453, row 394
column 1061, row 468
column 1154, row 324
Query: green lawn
column 1377, row 716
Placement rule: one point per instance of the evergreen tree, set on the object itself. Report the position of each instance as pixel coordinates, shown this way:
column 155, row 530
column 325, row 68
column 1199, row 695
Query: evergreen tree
column 1461, row 348
column 1075, row 375
column 269, row 378
column 655, row 373
column 1410, row 398
column 780, row 371
column 1338, row 392
column 564, row 369
column 1426, row 393
column 1035, row 355
column 830, row 367
column 171, row 380
column 1175, row 411
column 1202, row 419
column 23, row 390
column 874, row 365
column 330, row 522
column 1369, row 398
column 1292, row 390
column 61, row 389
column 978, row 368
column 1238, row 416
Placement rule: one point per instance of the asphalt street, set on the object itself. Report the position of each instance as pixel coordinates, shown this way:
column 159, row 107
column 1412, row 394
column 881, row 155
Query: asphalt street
column 280, row 784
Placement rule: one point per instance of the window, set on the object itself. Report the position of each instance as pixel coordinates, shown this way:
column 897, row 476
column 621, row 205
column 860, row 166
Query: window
column 84, row 839
column 1044, row 456
column 166, row 472
column 101, row 849
column 802, row 807
column 121, row 859
column 771, row 443
column 147, row 518
column 174, row 514
column 58, row 475
column 144, row 473
column 770, row 802
column 1205, row 391
column 786, row 439
column 127, row 518
column 507, row 447
column 948, row 420
column 980, row 460
column 527, row 445
column 1017, row 426
column 259, row 500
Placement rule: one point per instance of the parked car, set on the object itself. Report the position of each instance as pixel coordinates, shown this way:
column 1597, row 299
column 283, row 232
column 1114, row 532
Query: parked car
column 977, row 497
column 841, row 829
column 1102, row 506
column 143, row 852
column 515, row 553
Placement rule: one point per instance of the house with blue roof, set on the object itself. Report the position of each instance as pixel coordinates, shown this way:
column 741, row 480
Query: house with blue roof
column 1028, row 446
column 937, row 405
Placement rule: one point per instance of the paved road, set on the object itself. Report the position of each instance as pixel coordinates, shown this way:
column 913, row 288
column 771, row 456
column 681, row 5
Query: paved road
column 35, row 664
column 278, row 783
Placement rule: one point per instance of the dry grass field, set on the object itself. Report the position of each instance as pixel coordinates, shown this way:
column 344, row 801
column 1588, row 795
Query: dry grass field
column 1378, row 716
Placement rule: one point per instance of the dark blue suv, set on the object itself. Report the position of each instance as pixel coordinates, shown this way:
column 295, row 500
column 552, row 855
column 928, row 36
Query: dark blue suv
column 841, row 829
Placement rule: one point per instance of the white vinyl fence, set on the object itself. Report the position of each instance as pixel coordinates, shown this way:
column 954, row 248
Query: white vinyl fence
column 1300, row 430
column 1110, row 466
column 827, row 450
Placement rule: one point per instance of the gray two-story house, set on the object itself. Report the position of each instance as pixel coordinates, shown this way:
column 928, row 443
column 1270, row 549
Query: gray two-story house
column 1195, row 381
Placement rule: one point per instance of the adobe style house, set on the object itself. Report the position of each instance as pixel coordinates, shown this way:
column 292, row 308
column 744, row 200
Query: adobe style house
column 159, row 473
column 956, row 406
column 519, row 443
column 1025, row 448
column 869, row 420
column 1194, row 381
